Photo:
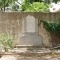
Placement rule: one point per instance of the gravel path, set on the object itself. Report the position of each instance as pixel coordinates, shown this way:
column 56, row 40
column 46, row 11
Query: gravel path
column 30, row 55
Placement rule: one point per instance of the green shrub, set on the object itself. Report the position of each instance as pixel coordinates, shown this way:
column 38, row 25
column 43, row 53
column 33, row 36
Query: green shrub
column 36, row 7
column 25, row 5
column 53, row 27
column 6, row 41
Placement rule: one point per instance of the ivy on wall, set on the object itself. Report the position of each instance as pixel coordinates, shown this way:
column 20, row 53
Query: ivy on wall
column 53, row 27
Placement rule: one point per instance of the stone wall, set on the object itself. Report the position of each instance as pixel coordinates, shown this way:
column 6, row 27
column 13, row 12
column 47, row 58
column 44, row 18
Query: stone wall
column 12, row 22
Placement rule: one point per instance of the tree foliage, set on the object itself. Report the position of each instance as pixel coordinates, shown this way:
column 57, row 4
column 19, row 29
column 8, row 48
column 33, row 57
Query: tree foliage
column 35, row 7
column 56, row 1
column 4, row 3
column 51, row 26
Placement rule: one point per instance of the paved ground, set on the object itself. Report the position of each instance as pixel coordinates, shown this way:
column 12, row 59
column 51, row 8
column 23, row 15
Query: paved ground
column 42, row 54
column 37, row 58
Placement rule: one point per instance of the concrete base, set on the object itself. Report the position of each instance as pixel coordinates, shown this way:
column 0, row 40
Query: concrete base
column 31, row 39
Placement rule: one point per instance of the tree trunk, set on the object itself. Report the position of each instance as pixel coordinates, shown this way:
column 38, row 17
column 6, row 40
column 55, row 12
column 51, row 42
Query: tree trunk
column 4, row 5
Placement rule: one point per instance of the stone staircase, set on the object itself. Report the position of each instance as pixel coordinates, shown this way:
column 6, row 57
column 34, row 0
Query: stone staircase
column 29, row 41
column 32, row 39
column 29, row 48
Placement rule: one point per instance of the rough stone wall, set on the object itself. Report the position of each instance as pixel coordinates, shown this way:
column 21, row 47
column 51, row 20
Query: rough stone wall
column 11, row 22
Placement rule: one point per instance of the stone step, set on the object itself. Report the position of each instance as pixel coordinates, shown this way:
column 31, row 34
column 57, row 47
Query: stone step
column 31, row 50
column 30, row 33
column 28, row 46
column 31, row 40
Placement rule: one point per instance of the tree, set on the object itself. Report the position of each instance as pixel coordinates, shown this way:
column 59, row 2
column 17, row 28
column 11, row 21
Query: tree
column 4, row 3
column 47, row 1
column 15, row 7
column 55, row 1
column 35, row 7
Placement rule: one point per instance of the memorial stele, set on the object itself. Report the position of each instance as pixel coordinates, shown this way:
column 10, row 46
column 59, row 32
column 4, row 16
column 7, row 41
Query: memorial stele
column 30, row 35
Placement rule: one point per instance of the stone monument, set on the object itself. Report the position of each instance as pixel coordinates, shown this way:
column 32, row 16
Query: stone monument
column 30, row 35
